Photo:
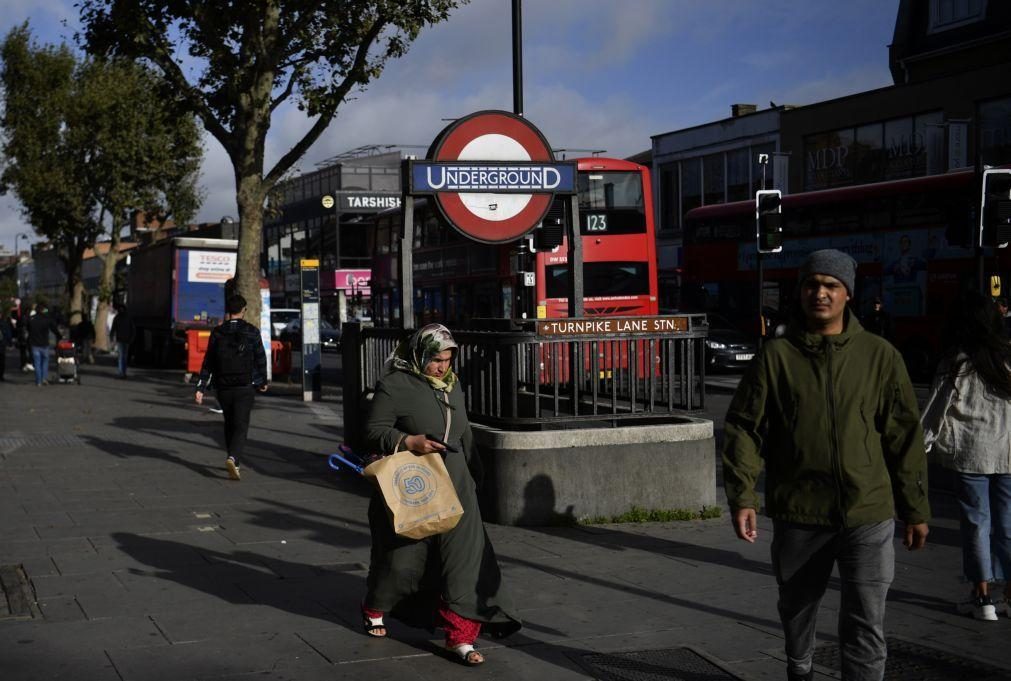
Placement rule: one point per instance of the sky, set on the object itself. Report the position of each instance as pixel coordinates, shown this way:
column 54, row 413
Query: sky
column 597, row 74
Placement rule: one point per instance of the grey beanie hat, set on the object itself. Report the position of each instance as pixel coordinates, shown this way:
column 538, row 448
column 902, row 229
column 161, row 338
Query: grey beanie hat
column 833, row 263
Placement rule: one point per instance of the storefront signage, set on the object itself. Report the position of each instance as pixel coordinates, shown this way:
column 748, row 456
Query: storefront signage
column 612, row 326
column 367, row 202
column 352, row 281
column 493, row 176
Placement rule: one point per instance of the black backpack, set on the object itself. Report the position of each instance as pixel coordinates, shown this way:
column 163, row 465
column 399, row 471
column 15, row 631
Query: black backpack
column 234, row 356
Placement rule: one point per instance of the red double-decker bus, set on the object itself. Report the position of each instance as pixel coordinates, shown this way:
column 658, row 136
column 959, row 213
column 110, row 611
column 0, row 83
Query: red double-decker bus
column 899, row 233
column 457, row 280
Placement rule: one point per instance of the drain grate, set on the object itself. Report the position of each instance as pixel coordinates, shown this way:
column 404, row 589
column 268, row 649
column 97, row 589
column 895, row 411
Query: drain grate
column 18, row 596
column 668, row 664
column 907, row 660
column 10, row 444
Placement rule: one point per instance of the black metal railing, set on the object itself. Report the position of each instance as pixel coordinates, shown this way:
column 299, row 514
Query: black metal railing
column 518, row 380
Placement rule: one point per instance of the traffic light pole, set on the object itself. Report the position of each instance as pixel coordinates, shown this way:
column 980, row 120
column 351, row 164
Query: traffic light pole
column 761, row 286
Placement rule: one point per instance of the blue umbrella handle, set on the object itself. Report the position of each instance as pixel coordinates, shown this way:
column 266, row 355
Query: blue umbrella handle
column 335, row 461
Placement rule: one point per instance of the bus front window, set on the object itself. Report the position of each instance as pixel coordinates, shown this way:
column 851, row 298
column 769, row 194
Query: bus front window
column 611, row 203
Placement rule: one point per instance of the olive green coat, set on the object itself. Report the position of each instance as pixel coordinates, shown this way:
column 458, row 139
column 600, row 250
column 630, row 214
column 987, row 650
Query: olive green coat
column 836, row 422
column 407, row 577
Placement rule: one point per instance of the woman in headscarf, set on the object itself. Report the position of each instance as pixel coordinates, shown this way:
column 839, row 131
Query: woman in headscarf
column 450, row 580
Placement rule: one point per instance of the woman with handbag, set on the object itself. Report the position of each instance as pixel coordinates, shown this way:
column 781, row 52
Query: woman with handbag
column 452, row 579
column 967, row 429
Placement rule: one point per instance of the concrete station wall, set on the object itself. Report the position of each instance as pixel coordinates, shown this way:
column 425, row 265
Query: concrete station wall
column 549, row 477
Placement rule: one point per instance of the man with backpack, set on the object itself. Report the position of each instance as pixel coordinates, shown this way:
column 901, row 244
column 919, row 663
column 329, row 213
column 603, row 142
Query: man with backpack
column 236, row 365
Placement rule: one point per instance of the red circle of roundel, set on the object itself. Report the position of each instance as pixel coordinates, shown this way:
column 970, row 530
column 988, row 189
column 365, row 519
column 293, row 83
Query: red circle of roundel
column 462, row 133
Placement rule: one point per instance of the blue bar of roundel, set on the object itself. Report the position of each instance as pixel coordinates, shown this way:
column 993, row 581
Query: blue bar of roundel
column 423, row 174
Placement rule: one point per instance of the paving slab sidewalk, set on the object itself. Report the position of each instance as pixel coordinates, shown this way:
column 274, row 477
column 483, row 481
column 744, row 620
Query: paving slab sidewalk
column 148, row 564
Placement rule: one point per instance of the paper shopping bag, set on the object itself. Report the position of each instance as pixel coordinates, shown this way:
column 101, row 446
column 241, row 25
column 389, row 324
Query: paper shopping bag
column 419, row 493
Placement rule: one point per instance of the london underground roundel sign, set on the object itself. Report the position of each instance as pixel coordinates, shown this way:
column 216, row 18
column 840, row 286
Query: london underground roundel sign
column 493, row 176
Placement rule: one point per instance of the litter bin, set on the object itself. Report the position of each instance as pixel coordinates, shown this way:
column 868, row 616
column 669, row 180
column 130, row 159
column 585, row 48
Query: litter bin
column 280, row 357
column 196, row 348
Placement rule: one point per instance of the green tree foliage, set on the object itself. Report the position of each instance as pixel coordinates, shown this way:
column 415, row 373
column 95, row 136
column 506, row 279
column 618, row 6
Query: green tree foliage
column 89, row 143
column 235, row 63
column 42, row 162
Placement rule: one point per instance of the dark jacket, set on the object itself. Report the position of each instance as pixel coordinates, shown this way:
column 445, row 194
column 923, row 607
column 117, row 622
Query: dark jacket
column 39, row 327
column 836, row 422
column 123, row 328
column 251, row 335
column 405, row 404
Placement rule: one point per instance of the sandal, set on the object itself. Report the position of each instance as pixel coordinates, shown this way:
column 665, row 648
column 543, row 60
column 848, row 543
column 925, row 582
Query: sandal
column 468, row 654
column 373, row 625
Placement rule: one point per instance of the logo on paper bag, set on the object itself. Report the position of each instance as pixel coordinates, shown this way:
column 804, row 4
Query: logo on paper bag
column 415, row 484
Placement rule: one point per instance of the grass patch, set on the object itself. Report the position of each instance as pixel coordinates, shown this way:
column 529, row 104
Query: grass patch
column 659, row 515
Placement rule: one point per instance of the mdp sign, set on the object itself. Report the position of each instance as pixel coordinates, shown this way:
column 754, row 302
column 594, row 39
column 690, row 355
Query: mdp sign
column 493, row 176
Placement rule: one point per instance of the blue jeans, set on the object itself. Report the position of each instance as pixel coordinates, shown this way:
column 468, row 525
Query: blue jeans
column 985, row 522
column 40, row 358
column 802, row 558
column 124, row 350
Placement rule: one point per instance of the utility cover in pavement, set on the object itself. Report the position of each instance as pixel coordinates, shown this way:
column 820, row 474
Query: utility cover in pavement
column 907, row 660
column 668, row 664
column 18, row 597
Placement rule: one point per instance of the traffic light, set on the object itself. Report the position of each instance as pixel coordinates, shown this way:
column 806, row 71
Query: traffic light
column 549, row 234
column 995, row 208
column 769, row 220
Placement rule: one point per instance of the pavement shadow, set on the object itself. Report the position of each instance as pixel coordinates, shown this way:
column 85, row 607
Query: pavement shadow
column 245, row 577
column 325, row 528
column 540, row 492
column 129, row 450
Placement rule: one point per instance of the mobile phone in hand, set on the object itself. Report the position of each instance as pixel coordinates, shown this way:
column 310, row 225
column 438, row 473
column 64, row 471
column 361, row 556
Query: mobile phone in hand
column 437, row 441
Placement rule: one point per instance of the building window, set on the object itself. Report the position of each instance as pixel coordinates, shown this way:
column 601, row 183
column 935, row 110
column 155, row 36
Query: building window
column 713, row 179
column 947, row 14
column 995, row 131
column 738, row 177
column 691, row 184
column 669, row 214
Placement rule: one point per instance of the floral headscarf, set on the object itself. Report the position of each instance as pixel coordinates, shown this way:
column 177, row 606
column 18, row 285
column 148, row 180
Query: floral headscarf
column 414, row 353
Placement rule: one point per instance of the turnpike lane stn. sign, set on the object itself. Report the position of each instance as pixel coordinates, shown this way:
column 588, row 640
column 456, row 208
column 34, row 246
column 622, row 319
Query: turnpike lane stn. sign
column 493, row 176
column 616, row 326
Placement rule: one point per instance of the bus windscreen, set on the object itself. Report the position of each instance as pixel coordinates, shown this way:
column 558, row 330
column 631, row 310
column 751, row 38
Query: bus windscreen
column 611, row 203
column 601, row 280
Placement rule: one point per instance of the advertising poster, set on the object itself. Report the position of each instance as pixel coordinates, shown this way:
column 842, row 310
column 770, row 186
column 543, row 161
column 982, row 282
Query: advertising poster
column 210, row 266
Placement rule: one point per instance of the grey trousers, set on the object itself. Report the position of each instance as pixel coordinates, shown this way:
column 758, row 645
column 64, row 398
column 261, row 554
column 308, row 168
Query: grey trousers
column 802, row 558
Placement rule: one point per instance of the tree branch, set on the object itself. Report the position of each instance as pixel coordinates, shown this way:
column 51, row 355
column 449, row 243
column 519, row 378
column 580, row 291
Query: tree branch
column 355, row 74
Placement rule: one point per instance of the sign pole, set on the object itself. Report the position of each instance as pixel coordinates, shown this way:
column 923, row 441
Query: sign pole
column 575, row 260
column 311, row 363
column 407, row 250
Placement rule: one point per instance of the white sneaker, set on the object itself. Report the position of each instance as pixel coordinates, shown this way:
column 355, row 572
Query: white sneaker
column 981, row 608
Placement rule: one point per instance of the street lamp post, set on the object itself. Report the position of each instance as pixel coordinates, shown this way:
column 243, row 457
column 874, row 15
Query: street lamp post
column 17, row 259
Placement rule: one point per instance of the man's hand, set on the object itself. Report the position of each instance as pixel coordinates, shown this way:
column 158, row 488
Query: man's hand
column 746, row 524
column 199, row 397
column 916, row 536
column 262, row 388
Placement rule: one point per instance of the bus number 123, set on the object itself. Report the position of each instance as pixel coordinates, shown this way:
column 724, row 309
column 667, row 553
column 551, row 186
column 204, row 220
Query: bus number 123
column 596, row 223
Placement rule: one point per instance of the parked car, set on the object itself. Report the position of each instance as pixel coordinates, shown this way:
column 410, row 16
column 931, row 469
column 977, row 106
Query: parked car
column 726, row 346
column 280, row 318
column 329, row 336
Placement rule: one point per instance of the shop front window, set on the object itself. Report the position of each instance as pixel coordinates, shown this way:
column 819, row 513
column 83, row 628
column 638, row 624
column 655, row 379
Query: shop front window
column 995, row 131
column 737, row 175
column 713, row 179
column 691, row 184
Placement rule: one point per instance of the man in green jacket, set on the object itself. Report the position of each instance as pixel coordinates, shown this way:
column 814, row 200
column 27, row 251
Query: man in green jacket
column 830, row 410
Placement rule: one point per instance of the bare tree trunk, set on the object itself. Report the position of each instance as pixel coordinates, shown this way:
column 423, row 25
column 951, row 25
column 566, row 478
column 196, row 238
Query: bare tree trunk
column 106, row 286
column 74, row 254
column 247, row 268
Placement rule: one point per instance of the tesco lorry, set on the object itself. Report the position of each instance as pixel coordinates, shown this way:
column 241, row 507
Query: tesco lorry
column 174, row 286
